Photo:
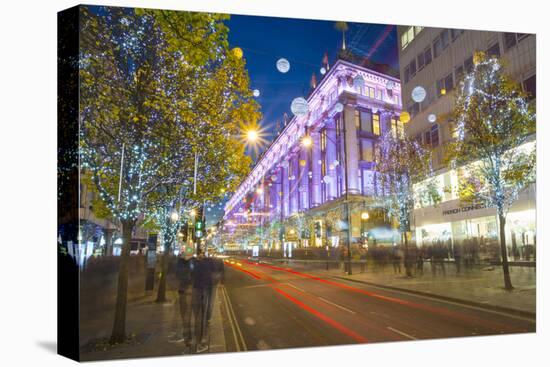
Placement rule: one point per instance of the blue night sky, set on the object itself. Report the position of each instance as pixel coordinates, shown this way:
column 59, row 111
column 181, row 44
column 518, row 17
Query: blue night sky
column 303, row 43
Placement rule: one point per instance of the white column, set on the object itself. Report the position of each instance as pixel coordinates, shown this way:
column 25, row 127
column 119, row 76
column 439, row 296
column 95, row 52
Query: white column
column 330, row 158
column 304, row 178
column 352, row 149
column 316, row 169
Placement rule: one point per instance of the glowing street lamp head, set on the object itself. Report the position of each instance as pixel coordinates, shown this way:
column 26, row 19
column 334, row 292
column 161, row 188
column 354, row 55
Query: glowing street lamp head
column 307, row 142
column 252, row 135
column 193, row 212
column 365, row 215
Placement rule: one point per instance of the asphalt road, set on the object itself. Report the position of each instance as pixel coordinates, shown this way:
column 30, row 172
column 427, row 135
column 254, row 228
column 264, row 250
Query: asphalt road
column 271, row 307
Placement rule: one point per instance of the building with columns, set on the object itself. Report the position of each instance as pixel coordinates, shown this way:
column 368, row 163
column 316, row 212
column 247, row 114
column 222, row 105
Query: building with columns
column 296, row 195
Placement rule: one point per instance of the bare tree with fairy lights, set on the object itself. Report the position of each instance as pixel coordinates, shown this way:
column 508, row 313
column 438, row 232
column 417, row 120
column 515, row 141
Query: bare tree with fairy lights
column 496, row 124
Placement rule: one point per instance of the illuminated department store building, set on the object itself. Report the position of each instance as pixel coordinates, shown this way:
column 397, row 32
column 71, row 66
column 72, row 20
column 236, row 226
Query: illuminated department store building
column 436, row 59
column 295, row 194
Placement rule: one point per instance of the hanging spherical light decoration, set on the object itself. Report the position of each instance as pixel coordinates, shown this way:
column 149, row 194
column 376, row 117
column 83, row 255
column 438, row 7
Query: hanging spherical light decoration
column 237, row 52
column 327, row 179
column 432, row 118
column 418, row 94
column 283, row 65
column 299, row 106
column 256, row 92
column 404, row 117
column 323, row 71
column 339, row 107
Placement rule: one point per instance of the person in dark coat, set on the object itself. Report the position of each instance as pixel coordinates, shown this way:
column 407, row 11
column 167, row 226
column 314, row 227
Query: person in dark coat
column 184, row 271
column 202, row 292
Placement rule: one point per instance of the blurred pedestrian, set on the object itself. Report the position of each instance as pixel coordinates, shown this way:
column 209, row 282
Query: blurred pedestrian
column 184, row 271
column 202, row 290
column 457, row 255
column 396, row 259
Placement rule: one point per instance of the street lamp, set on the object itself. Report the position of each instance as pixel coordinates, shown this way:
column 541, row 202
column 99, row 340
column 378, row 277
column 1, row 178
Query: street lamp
column 306, row 141
column 192, row 212
column 252, row 135
column 365, row 215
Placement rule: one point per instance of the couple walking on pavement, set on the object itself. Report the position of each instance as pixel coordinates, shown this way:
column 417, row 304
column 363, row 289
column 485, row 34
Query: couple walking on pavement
column 198, row 278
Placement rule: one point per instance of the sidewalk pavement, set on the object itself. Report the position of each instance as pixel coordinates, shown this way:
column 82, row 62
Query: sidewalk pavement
column 151, row 328
column 481, row 286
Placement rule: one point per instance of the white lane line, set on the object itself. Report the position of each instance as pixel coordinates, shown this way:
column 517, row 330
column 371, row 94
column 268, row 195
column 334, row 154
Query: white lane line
column 298, row 288
column 230, row 319
column 336, row 305
column 236, row 322
column 402, row 333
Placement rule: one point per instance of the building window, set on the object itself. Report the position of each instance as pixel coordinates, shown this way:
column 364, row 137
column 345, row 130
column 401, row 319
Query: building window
column 413, row 108
column 530, row 87
column 441, row 42
column 438, row 46
column 412, row 68
column 366, row 121
column 444, row 85
column 510, row 40
column 367, row 150
column 434, row 135
column 406, row 74
column 323, row 140
column 376, row 124
column 455, row 33
column 357, row 120
column 427, row 138
column 409, row 34
column 397, row 127
column 420, row 60
column 427, row 55
column 372, row 93
column 494, row 51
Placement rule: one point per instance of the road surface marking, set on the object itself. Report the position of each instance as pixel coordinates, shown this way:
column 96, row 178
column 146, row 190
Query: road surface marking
column 402, row 333
column 336, row 305
column 234, row 322
column 230, row 319
column 298, row 288
column 255, row 286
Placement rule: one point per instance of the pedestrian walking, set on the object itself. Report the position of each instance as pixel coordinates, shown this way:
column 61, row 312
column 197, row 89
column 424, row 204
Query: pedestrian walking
column 457, row 254
column 200, row 299
column 396, row 259
column 184, row 270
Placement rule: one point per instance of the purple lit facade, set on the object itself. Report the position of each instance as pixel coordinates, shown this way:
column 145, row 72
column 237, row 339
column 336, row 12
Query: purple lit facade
column 348, row 111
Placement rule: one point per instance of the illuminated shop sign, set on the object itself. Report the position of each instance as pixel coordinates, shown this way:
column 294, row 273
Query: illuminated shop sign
column 464, row 209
